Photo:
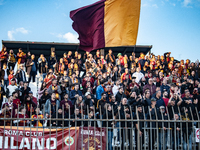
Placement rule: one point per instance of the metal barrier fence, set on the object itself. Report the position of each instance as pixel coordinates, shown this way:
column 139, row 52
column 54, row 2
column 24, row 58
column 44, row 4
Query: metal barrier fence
column 113, row 129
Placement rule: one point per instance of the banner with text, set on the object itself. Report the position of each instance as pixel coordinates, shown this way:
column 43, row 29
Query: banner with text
column 41, row 139
column 92, row 138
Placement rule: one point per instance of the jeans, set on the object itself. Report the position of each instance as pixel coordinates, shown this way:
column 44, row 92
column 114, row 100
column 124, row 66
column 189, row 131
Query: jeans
column 118, row 132
column 110, row 137
column 44, row 75
column 176, row 139
column 32, row 75
column 187, row 141
column 162, row 136
column 11, row 66
column 6, row 83
column 139, row 141
column 152, row 138
column 126, row 137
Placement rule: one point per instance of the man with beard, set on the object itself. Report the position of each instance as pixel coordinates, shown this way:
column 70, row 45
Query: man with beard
column 60, row 115
column 116, row 87
column 11, row 60
column 55, row 88
column 74, row 94
column 165, row 97
column 51, row 105
column 34, row 99
column 77, row 115
column 126, row 132
column 152, row 125
column 108, row 114
column 36, row 122
column 120, row 95
column 114, row 103
column 67, row 104
column 16, row 100
column 101, row 103
column 162, row 134
column 11, row 88
column 139, row 130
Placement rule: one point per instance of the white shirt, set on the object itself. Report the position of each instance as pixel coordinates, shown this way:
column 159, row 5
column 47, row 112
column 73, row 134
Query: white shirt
column 6, row 75
column 138, row 75
column 115, row 89
column 11, row 88
column 23, row 75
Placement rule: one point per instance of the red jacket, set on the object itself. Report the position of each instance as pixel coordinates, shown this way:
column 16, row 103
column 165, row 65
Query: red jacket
column 152, row 88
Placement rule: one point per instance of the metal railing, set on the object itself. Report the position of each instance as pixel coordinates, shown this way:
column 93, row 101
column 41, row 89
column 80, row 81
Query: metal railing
column 116, row 129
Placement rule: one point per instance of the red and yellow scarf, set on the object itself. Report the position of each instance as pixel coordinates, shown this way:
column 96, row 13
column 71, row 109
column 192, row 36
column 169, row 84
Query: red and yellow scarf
column 57, row 94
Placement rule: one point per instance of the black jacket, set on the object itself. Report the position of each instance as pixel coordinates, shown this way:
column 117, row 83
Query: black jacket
column 151, row 115
column 19, row 76
column 52, row 61
column 42, row 68
column 90, row 123
column 163, row 116
column 76, row 122
column 108, row 115
column 141, row 124
column 25, row 91
column 122, row 115
column 59, row 123
column 2, row 74
column 119, row 97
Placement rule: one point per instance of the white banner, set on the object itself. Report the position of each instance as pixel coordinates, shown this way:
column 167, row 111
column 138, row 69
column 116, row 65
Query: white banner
column 197, row 133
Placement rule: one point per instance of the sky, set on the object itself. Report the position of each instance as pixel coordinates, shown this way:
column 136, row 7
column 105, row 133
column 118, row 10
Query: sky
column 168, row 25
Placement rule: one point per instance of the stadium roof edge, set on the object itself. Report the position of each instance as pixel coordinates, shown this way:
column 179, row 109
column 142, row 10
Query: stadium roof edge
column 36, row 48
column 60, row 43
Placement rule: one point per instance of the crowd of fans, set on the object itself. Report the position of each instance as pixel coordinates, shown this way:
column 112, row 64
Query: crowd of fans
column 98, row 86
